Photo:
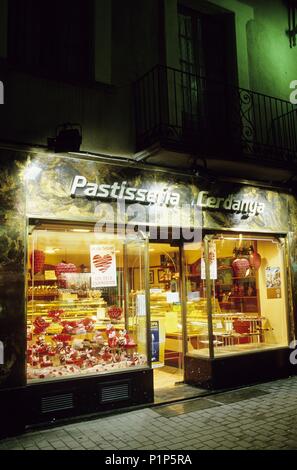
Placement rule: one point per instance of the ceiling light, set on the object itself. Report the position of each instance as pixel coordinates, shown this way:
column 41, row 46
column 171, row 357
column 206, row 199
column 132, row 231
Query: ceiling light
column 51, row 251
column 80, row 230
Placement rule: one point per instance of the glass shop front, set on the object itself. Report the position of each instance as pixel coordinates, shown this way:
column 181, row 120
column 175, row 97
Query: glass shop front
column 86, row 309
column 108, row 303
column 117, row 318
column 247, row 295
column 96, row 320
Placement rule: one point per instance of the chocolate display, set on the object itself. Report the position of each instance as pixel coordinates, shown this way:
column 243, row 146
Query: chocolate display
column 64, row 355
column 72, row 328
column 59, row 347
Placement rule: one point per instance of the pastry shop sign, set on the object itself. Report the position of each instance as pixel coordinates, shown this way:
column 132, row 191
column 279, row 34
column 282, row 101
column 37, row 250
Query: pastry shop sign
column 123, row 192
column 231, row 203
column 162, row 196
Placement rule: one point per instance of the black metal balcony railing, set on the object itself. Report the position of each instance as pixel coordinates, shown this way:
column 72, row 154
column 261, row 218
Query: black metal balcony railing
column 189, row 113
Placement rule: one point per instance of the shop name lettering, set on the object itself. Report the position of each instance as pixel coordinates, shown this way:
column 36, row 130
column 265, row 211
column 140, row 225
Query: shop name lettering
column 230, row 203
column 165, row 197
column 81, row 187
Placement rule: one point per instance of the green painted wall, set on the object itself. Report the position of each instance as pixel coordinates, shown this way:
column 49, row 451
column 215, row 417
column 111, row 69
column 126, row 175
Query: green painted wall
column 243, row 15
column 265, row 61
column 272, row 64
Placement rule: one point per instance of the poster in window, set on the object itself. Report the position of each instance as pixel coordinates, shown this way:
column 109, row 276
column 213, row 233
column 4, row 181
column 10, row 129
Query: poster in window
column 213, row 263
column 155, row 332
column 103, row 266
column 141, row 305
column 273, row 282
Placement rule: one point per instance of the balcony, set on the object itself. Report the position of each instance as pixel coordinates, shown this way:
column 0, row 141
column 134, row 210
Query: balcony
column 188, row 114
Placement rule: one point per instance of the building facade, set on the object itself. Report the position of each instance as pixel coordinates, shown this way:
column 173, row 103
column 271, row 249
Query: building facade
column 164, row 250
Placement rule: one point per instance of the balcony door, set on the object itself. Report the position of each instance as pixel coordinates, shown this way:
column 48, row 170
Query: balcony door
column 192, row 62
column 208, row 64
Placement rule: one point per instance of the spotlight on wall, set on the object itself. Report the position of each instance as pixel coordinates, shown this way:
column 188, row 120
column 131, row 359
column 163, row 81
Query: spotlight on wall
column 68, row 138
column 32, row 172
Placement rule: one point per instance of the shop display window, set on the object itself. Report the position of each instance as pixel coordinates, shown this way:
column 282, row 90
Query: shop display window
column 86, row 309
column 248, row 296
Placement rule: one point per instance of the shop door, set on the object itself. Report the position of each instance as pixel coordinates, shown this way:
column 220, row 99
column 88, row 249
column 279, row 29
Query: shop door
column 166, row 317
column 196, row 320
column 136, row 293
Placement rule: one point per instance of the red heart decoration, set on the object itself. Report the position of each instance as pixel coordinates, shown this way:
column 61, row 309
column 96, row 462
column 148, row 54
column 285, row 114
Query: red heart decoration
column 102, row 263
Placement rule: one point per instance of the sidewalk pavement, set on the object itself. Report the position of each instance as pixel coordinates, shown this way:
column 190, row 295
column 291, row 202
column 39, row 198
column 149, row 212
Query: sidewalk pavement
column 258, row 417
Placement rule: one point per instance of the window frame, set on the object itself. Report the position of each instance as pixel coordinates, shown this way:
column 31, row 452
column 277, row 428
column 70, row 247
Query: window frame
column 59, row 225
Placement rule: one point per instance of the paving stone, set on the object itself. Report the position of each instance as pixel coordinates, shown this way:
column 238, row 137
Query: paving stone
column 260, row 417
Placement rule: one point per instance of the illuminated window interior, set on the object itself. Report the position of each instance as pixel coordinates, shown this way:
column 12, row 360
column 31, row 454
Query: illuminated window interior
column 248, row 296
column 84, row 313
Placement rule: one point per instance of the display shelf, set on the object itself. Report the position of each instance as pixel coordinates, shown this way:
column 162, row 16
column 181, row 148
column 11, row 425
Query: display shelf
column 244, row 278
column 102, row 327
column 66, row 314
column 239, row 315
column 71, row 310
column 60, row 303
column 46, row 297
column 243, row 296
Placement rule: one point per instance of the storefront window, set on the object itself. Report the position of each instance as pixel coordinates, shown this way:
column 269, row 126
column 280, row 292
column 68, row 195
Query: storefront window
column 248, row 288
column 86, row 307
column 247, row 306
